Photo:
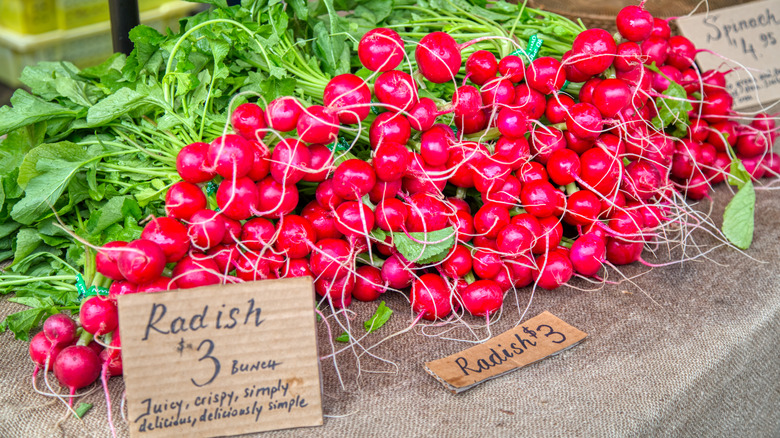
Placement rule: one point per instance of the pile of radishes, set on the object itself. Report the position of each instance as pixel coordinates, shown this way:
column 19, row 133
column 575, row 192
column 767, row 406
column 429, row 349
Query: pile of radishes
column 542, row 185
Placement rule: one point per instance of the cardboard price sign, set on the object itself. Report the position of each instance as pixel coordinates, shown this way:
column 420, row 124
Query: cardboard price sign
column 538, row 338
column 747, row 37
column 221, row 360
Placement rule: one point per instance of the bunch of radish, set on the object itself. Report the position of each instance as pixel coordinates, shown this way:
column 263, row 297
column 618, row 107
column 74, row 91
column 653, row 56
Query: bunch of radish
column 532, row 184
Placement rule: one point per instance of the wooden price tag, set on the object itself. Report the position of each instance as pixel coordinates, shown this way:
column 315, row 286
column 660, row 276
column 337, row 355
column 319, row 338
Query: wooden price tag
column 539, row 337
column 748, row 34
column 221, row 360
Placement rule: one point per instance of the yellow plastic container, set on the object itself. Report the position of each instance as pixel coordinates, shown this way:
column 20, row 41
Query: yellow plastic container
column 83, row 46
column 28, row 16
column 77, row 13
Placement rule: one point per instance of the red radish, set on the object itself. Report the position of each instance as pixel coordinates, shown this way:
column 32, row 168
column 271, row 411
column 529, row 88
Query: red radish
column 330, row 258
column 595, row 50
column 290, row 161
column 276, row 199
column 230, row 156
column 563, row 167
column 545, row 140
column 553, row 270
column 490, row 175
column 106, row 260
column 296, row 236
column 550, row 235
column 531, row 171
column 545, row 75
column 77, row 367
column 584, row 121
column 368, row 284
column 42, row 350
column 438, row 57
column 354, row 219
column 248, row 121
column 323, row 220
column 121, row 287
column 431, row 297
column 628, row 57
column 391, row 214
column 472, row 123
column 621, row 252
column 508, row 194
column 426, row 213
column 586, row 92
column 397, row 272
column 681, row 52
column 353, row 179
column 583, row 208
column 252, row 266
column 257, row 234
column 656, row 50
column 611, row 96
column 349, row 96
column 190, row 272
column 297, row 268
column 111, row 357
column 464, row 226
column 665, row 76
column 634, row 23
column 514, row 240
column 170, row 235
column 206, row 229
column 98, row 316
column 422, row 177
column 512, row 68
column 391, row 128
column 224, row 256
column 587, row 254
column 557, row 108
column 490, row 219
column 539, row 198
column 481, row 66
column 337, row 290
column 573, row 74
column 498, row 93
column 466, row 100
column 192, row 163
column 600, row 171
column 458, row 262
column 423, row 114
column 60, row 329
column 514, row 153
column 283, row 113
column 642, row 180
column 391, row 161
column 396, row 89
column 317, row 124
column 183, row 200
column 321, row 163
column 237, row 198
column 482, row 297
column 141, row 261
column 232, row 231
column 381, row 49
column 529, row 101
column 160, row 285
column 512, row 123
column 326, row 195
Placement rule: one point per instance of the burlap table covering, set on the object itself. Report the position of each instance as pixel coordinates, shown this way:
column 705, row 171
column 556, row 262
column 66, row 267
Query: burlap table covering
column 687, row 350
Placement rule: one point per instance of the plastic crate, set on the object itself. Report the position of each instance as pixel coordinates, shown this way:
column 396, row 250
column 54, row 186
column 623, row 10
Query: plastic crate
column 77, row 13
column 84, row 46
column 28, row 16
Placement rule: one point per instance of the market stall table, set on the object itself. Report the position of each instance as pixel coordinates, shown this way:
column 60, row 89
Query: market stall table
column 682, row 350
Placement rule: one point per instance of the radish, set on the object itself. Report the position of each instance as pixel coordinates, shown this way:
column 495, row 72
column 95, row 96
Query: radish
column 224, row 256
column 438, row 57
column 323, row 220
column 634, row 23
column 232, row 231
column 161, row 284
column 681, row 52
column 321, row 163
column 391, row 214
column 628, row 57
column 397, row 272
column 106, row 260
column 330, row 258
column 98, row 316
column 297, row 268
column 556, row 110
column 553, row 270
column 655, row 50
column 170, row 235
column 353, row 179
column 349, row 96
column 498, row 93
column 290, row 161
column 458, row 262
column 283, row 113
column 427, row 213
column 391, row 161
column 192, row 163
column 257, row 234
column 183, row 200
column 587, row 254
column 545, row 140
column 545, row 75
column 354, row 219
column 368, row 284
column 295, row 237
column 539, row 198
column 391, row 128
column 190, row 272
column 384, row 189
column 481, row 66
column 563, row 167
column 77, row 367
column 431, row 297
column 317, row 124
column 490, row 219
column 584, row 121
column 397, row 90
column 423, row 114
column 230, row 156
column 621, row 252
column 43, row 353
column 381, row 49
column 237, row 198
column 600, row 171
column 512, row 68
column 276, row 199
column 141, row 261
column 583, row 208
column 337, row 290
column 514, row 240
column 326, row 195
column 466, row 100
column 464, row 226
column 121, row 287
column 482, row 297
column 206, row 229
column 595, row 50
column 60, row 329
column 421, row 177
column 248, row 120
column 611, row 96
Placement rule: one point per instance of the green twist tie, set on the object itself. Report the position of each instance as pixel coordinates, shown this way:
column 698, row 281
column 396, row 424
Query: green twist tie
column 532, row 49
column 565, row 84
column 85, row 293
column 339, row 145
column 211, row 188
column 375, row 109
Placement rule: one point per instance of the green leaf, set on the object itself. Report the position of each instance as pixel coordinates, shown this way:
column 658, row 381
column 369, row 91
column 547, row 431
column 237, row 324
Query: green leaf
column 738, row 175
column 20, row 323
column 425, row 248
column 82, row 409
column 121, row 102
column 27, row 109
column 738, row 218
column 115, row 210
column 344, row 337
column 379, row 318
column 27, row 240
column 673, row 105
